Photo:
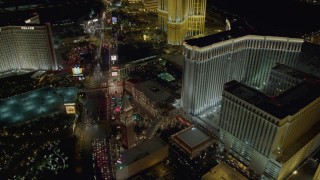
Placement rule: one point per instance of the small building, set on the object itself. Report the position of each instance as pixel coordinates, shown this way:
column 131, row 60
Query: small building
column 141, row 157
column 192, row 140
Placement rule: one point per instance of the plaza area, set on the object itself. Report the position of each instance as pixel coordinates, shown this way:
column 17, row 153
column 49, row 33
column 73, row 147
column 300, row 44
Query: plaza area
column 35, row 104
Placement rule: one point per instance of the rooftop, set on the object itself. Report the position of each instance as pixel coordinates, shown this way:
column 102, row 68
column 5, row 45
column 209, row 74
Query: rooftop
column 153, row 91
column 309, row 60
column 287, row 103
column 35, row 104
column 140, row 151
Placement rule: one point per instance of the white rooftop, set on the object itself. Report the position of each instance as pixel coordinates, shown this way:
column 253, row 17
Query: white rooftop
column 193, row 137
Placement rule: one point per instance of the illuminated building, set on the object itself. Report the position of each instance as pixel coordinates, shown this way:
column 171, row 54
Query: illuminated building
column 141, row 157
column 26, row 48
column 213, row 60
column 181, row 18
column 150, row 95
column 192, row 140
column 134, row 66
column 127, row 122
column 33, row 20
column 272, row 135
column 115, row 80
column 282, row 78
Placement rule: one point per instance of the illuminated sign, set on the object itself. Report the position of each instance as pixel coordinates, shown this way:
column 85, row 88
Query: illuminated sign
column 30, row 28
column 113, row 57
column 76, row 71
column 114, row 74
column 70, row 109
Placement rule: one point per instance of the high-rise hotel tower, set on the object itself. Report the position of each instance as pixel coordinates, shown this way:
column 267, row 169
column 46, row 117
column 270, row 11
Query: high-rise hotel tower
column 181, row 18
column 214, row 60
column 272, row 134
column 26, row 48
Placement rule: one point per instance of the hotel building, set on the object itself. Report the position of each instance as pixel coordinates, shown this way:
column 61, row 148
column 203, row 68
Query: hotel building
column 26, row 48
column 214, row 60
column 181, row 18
column 272, row 135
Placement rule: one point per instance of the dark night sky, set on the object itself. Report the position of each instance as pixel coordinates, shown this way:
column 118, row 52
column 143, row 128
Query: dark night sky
column 278, row 15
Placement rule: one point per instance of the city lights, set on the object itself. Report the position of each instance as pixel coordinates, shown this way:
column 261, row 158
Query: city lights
column 159, row 89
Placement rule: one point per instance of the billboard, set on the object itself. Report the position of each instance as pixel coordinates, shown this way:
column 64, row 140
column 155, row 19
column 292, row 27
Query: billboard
column 114, row 74
column 113, row 57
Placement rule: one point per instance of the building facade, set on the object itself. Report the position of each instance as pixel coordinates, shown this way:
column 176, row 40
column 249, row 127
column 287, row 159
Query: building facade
column 127, row 124
column 272, row 135
column 210, row 63
column 317, row 173
column 26, row 48
column 181, row 18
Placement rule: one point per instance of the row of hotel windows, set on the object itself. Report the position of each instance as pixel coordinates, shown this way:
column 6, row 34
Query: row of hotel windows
column 247, row 126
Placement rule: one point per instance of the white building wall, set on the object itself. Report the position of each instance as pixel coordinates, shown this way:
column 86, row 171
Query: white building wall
column 246, row 59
